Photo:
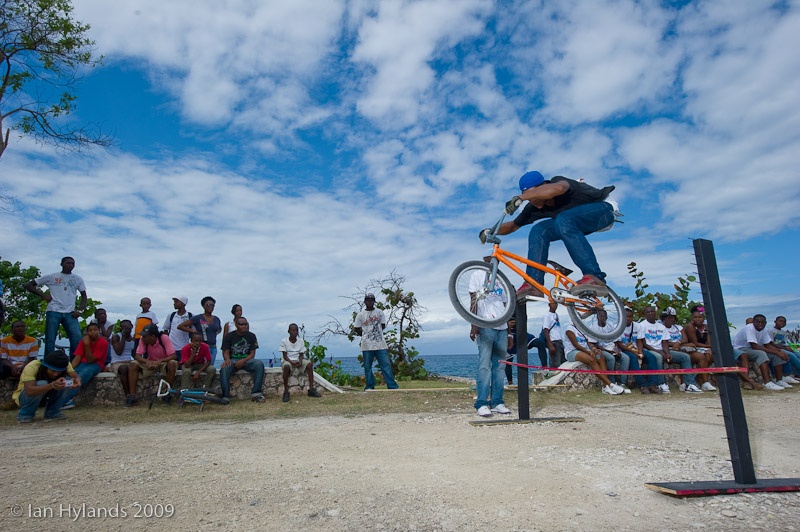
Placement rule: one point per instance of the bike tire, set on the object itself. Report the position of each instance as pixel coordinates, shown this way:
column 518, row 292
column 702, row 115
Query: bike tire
column 461, row 299
column 588, row 324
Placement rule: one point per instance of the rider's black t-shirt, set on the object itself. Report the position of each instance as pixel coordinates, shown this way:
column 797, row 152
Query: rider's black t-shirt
column 578, row 194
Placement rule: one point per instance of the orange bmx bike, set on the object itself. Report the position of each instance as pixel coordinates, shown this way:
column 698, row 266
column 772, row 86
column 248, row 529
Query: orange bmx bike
column 599, row 314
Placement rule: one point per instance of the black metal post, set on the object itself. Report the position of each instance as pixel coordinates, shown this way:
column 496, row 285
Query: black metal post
column 729, row 392
column 523, row 397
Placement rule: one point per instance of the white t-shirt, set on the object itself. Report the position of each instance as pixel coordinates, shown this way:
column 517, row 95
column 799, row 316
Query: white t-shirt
column 371, row 323
column 672, row 334
column 551, row 323
column 64, row 288
column 293, row 350
column 494, row 304
column 751, row 334
column 629, row 334
column 652, row 334
column 582, row 339
column 178, row 337
column 127, row 353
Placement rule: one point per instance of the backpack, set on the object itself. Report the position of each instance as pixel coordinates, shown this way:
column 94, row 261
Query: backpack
column 168, row 325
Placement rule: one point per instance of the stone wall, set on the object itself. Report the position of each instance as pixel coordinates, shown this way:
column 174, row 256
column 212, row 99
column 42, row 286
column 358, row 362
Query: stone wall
column 105, row 388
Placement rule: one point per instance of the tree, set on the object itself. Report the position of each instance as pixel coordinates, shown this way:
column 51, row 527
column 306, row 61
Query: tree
column 403, row 313
column 42, row 49
column 21, row 304
column 678, row 300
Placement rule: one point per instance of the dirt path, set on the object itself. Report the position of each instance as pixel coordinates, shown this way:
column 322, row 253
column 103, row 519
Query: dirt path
column 406, row 472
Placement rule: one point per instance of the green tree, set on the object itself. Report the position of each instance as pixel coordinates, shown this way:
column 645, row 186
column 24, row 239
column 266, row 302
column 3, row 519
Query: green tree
column 403, row 313
column 42, row 52
column 679, row 300
column 21, row 304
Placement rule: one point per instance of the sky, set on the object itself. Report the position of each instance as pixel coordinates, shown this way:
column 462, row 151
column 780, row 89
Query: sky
column 280, row 155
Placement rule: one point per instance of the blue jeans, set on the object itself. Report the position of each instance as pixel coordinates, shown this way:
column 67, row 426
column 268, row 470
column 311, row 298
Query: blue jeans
column 492, row 345
column 658, row 363
column 71, row 327
column 624, row 365
column 383, row 362
column 213, row 350
column 256, row 367
column 643, row 380
column 571, row 227
column 86, row 372
column 28, row 405
column 794, row 363
column 679, row 357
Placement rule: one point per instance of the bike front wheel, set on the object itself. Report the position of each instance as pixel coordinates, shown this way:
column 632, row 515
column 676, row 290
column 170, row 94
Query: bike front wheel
column 469, row 288
column 586, row 315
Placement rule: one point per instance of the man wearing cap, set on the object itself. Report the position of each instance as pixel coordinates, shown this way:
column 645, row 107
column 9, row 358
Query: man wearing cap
column 178, row 337
column 569, row 211
column 60, row 297
column 46, row 380
column 369, row 325
column 671, row 347
column 154, row 353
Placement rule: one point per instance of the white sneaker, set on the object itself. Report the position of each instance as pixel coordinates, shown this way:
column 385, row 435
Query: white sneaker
column 612, row 389
column 773, row 387
column 783, row 384
column 787, row 378
column 501, row 409
column 692, row 388
column 625, row 389
column 485, row 412
column 664, row 388
column 708, row 387
column 682, row 387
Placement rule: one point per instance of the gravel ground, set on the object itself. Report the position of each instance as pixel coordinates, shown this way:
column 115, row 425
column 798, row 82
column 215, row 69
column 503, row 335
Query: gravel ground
column 404, row 471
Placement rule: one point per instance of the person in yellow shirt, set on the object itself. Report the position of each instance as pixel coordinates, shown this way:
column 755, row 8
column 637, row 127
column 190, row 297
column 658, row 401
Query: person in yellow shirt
column 45, row 380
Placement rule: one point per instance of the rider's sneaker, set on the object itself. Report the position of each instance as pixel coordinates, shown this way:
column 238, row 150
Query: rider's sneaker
column 527, row 290
column 589, row 283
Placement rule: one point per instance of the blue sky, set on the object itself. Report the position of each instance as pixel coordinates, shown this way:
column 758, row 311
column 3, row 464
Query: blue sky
column 280, row 155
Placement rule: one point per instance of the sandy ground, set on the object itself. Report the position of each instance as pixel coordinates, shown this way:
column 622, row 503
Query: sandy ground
column 404, row 472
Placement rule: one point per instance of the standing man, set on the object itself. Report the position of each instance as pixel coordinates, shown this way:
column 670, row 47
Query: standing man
column 551, row 328
column 63, row 287
column 178, row 337
column 492, row 345
column 369, row 325
column 239, row 352
column 570, row 210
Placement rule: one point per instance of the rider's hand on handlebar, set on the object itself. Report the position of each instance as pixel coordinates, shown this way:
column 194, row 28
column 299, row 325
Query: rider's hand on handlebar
column 513, row 204
column 484, row 234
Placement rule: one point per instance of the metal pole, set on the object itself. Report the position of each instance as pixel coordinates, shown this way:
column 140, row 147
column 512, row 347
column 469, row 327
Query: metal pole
column 523, row 397
column 729, row 392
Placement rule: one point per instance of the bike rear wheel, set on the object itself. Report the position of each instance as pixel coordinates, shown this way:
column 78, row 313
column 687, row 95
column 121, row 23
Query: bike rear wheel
column 584, row 315
column 465, row 302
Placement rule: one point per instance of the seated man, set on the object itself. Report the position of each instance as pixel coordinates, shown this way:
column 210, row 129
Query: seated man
column 90, row 359
column 293, row 349
column 626, row 343
column 154, row 354
column 697, row 342
column 754, row 343
column 671, row 348
column 649, row 341
column 584, row 350
column 45, row 380
column 195, row 359
column 239, row 352
column 122, row 354
column 609, row 350
column 780, row 339
column 17, row 350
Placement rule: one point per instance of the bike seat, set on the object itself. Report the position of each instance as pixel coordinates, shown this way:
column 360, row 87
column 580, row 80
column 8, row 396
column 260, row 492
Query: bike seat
column 559, row 268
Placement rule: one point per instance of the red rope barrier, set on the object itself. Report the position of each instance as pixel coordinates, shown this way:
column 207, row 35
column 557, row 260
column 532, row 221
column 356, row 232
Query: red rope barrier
column 640, row 372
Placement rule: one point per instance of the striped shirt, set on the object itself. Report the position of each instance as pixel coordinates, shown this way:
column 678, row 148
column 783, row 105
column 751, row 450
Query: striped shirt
column 18, row 353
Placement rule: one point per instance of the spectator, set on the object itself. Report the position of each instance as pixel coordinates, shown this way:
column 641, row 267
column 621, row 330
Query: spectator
column 196, row 359
column 143, row 319
column 552, row 336
column 206, row 324
column 533, row 342
column 780, row 339
column 753, row 342
column 239, row 353
column 178, row 337
column 61, row 311
column 671, row 349
column 293, row 349
column 584, row 350
column 230, row 326
column 154, row 354
column 90, row 359
column 627, row 343
column 106, row 327
column 122, row 354
column 697, row 342
column 649, row 339
column 369, row 325
column 45, row 380
column 611, row 354
column 17, row 350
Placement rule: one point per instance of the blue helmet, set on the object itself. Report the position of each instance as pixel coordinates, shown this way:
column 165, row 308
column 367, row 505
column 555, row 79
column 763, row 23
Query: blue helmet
column 530, row 179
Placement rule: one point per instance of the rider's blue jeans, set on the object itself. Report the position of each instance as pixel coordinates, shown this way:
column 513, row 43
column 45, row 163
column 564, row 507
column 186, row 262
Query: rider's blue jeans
column 571, row 227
